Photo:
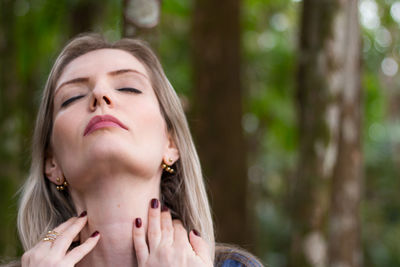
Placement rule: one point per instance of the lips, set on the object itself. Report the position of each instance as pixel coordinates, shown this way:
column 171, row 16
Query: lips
column 103, row 121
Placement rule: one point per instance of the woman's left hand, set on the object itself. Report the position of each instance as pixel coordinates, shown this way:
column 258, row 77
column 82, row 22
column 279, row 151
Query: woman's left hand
column 168, row 242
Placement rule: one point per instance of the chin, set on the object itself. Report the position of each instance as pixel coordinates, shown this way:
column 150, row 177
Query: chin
column 109, row 150
column 122, row 156
column 112, row 154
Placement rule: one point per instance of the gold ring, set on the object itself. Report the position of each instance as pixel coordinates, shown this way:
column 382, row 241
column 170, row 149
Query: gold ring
column 51, row 236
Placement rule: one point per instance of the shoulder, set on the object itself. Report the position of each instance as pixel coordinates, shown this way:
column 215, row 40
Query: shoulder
column 231, row 256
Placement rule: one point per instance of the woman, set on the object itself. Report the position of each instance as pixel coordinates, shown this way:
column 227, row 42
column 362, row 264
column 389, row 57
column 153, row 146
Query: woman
column 112, row 144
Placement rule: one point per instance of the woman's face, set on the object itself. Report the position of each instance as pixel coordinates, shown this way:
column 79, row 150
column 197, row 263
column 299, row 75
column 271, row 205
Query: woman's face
column 106, row 120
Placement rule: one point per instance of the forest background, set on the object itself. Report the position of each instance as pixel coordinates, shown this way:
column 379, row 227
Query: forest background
column 294, row 107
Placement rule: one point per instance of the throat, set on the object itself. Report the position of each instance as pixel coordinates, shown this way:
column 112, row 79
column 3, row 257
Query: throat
column 112, row 207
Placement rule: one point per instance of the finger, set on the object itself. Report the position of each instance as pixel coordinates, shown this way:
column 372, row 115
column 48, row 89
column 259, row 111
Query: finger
column 167, row 228
column 76, row 254
column 199, row 246
column 40, row 252
column 153, row 225
column 63, row 242
column 139, row 242
column 82, row 214
column 180, row 235
column 58, row 229
column 61, row 228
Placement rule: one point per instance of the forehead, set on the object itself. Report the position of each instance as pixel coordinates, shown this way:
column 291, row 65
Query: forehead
column 100, row 62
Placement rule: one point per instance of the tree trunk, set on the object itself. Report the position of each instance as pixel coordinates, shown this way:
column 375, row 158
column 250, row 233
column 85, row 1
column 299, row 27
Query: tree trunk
column 218, row 112
column 344, row 225
column 82, row 16
column 329, row 71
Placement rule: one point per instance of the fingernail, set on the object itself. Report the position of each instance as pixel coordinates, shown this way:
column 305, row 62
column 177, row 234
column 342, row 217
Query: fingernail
column 164, row 208
column 95, row 233
column 196, row 232
column 83, row 214
column 138, row 222
column 154, row 203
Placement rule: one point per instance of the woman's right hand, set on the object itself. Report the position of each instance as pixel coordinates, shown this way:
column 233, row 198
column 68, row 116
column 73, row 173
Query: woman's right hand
column 167, row 243
column 48, row 254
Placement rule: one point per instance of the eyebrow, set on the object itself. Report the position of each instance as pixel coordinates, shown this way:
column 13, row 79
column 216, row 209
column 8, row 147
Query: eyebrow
column 122, row 71
column 111, row 73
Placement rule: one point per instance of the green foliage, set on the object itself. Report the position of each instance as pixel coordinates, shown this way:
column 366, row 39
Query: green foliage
column 269, row 44
column 174, row 49
column 380, row 217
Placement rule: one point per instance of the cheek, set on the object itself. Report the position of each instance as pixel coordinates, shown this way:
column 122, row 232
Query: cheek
column 150, row 126
column 64, row 135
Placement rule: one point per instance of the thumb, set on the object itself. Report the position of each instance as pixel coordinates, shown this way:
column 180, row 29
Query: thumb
column 200, row 247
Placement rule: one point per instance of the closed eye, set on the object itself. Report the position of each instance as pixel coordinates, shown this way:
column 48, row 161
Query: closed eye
column 72, row 99
column 129, row 89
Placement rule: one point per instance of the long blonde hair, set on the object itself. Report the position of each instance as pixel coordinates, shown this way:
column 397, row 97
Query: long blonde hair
column 42, row 207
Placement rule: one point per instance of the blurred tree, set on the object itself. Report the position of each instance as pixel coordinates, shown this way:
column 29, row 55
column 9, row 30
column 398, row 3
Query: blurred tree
column 218, row 113
column 326, row 191
column 344, row 217
column 381, row 79
column 82, row 16
column 11, row 101
column 269, row 122
column 140, row 18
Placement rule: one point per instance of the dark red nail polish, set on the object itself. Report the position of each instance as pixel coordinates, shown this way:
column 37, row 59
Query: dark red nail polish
column 164, row 208
column 196, row 232
column 95, row 233
column 138, row 222
column 83, row 214
column 154, row 203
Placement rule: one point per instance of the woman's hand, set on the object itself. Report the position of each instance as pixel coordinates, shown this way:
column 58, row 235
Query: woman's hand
column 168, row 242
column 55, row 253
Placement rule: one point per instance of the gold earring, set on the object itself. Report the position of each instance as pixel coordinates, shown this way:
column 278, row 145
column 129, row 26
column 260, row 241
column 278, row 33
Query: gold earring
column 60, row 187
column 168, row 167
column 63, row 186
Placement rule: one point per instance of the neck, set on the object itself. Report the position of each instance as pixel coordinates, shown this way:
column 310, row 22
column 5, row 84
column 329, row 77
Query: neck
column 112, row 204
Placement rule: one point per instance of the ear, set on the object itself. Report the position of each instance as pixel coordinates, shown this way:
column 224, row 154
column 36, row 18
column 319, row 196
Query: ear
column 52, row 170
column 172, row 153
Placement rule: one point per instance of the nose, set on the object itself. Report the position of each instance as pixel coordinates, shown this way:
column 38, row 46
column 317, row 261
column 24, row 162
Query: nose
column 100, row 98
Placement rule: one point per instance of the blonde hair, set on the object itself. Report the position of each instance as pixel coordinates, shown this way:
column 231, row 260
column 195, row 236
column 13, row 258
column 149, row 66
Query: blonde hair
column 42, row 207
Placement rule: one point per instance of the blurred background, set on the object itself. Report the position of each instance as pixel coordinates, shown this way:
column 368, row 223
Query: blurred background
column 293, row 105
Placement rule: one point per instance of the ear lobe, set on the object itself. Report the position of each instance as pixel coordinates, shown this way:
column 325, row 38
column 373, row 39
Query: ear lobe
column 52, row 170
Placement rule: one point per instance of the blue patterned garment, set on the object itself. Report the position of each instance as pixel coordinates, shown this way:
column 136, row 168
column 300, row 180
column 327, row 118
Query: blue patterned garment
column 232, row 263
column 238, row 260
